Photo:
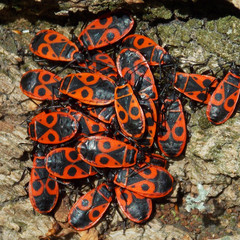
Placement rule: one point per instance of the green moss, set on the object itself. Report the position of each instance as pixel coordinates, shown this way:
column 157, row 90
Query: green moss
column 159, row 12
column 211, row 25
column 218, row 37
column 168, row 34
column 166, row 30
column 225, row 24
column 181, row 13
column 194, row 24
column 203, row 122
column 215, row 152
column 177, row 219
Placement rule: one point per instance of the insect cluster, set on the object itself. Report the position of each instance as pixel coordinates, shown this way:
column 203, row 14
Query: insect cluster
column 105, row 120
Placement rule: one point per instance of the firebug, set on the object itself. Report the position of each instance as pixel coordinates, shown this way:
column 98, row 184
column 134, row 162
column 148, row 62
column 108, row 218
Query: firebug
column 105, row 152
column 150, row 181
column 43, row 187
column 89, row 88
column 40, row 84
column 154, row 54
column 225, row 97
column 105, row 30
column 172, row 133
column 136, row 207
column 134, row 69
column 52, row 128
column 89, row 208
column 195, row 86
column 65, row 162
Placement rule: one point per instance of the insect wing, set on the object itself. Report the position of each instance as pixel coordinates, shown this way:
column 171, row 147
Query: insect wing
column 154, row 54
column 89, row 88
column 105, row 152
column 54, row 46
column 66, row 163
column 133, row 67
column 195, row 86
column 135, row 207
column 156, row 159
column 105, row 30
column 172, row 135
column 52, row 128
column 40, row 85
column 224, row 99
column 148, row 181
column 87, row 125
column 105, row 114
column 89, row 208
column 129, row 113
column 150, row 114
column 103, row 63
column 43, row 189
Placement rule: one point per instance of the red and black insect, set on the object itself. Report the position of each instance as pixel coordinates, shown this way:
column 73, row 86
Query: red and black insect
column 99, row 33
column 52, row 45
column 154, row 54
column 105, row 30
column 40, row 84
column 89, row 88
column 155, row 159
column 105, row 152
column 134, row 206
column 87, row 125
column 149, row 181
column 101, row 63
column 225, row 97
column 129, row 113
column 172, row 134
column 89, row 208
column 66, row 163
column 105, row 114
column 134, row 69
column 150, row 113
column 195, row 86
column 52, row 128
column 43, row 187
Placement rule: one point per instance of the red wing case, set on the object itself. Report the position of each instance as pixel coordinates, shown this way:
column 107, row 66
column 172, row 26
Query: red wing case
column 89, row 88
column 224, row 99
column 172, row 134
column 134, row 206
column 66, row 163
column 43, row 187
column 148, row 181
column 154, row 54
column 105, row 152
column 52, row 45
column 40, row 84
column 129, row 113
column 89, row 208
column 195, row 86
column 105, row 30
column 52, row 128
